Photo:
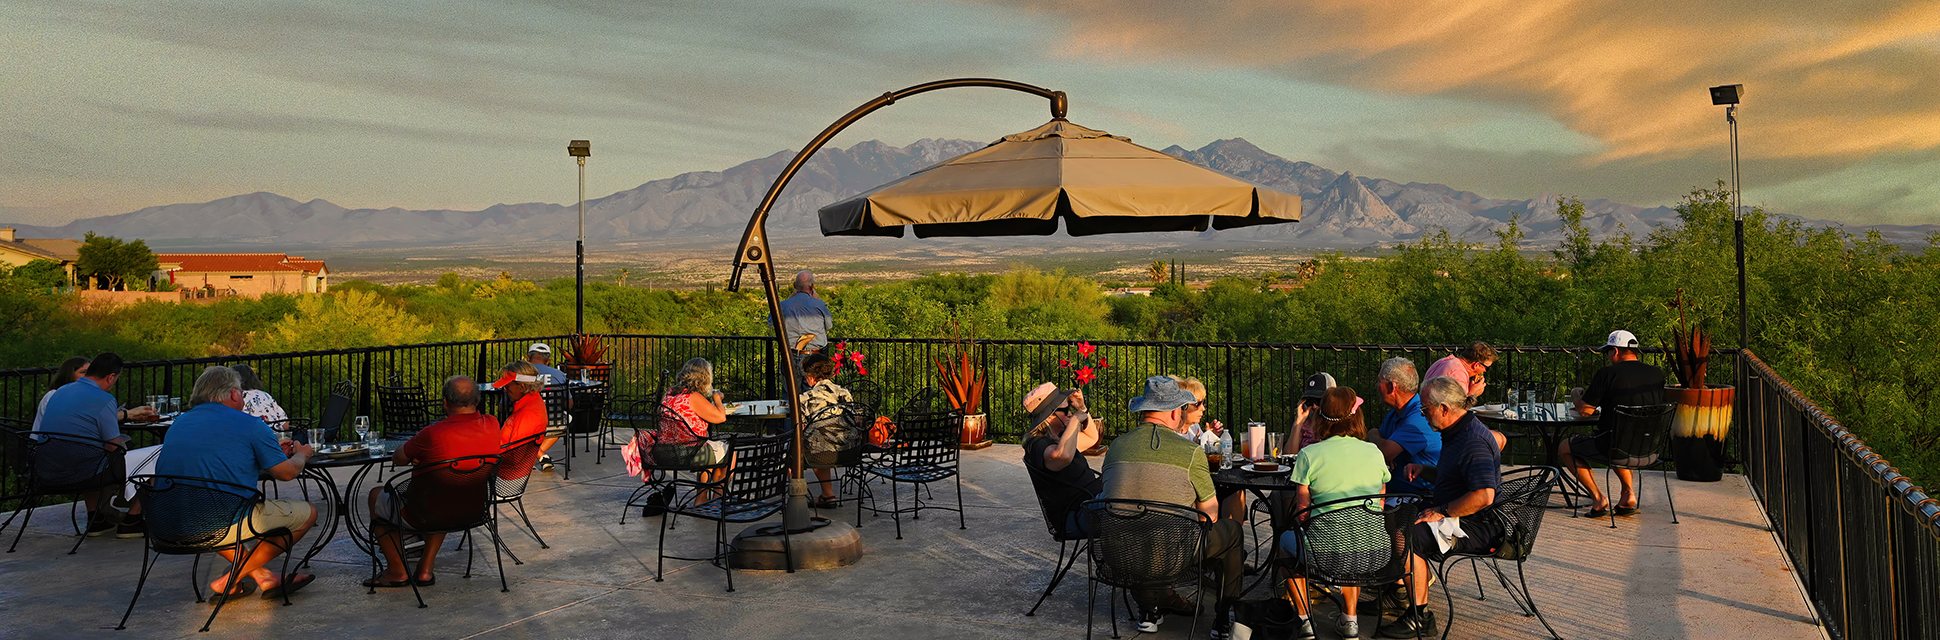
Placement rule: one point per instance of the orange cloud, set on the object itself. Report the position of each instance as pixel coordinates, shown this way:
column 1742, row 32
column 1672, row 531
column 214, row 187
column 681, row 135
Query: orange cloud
column 1823, row 80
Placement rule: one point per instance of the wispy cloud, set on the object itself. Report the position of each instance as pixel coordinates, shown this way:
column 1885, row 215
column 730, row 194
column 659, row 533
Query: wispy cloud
column 1824, row 80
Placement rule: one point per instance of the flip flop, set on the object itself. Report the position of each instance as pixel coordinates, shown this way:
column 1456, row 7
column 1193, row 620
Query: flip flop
column 1596, row 513
column 248, row 587
column 827, row 503
column 290, row 584
column 1627, row 511
column 380, row 584
column 430, row 582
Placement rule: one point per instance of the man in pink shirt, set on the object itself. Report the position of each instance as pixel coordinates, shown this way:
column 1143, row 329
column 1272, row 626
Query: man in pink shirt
column 1467, row 364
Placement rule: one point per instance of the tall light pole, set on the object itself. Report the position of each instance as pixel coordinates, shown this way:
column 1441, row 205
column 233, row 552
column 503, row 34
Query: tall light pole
column 581, row 150
column 1729, row 96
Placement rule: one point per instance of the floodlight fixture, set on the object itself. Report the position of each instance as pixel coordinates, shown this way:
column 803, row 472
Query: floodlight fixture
column 584, row 148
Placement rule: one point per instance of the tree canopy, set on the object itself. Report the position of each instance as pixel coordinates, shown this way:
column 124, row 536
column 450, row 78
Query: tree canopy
column 115, row 262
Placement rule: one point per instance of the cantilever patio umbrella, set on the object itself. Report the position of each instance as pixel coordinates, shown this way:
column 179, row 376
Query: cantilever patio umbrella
column 1025, row 184
column 1092, row 181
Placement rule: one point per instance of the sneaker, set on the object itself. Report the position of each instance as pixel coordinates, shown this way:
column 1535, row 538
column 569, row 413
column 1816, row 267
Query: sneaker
column 1222, row 625
column 99, row 527
column 545, row 463
column 1305, row 631
column 1392, row 600
column 1148, row 621
column 132, row 527
column 1350, row 626
column 1411, row 624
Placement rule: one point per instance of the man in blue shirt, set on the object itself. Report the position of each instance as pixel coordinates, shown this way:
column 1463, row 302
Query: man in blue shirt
column 805, row 316
column 1466, row 478
column 216, row 440
column 1405, row 437
column 85, row 408
column 540, row 355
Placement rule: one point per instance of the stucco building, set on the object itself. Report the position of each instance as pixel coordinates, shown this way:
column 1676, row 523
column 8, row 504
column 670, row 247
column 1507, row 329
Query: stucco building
column 16, row 251
column 249, row 274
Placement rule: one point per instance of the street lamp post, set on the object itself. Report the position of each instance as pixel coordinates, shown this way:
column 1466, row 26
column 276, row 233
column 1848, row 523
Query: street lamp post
column 1729, row 95
column 580, row 150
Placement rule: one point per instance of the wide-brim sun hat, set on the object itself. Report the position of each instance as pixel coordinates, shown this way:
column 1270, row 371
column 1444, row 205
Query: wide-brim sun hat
column 1042, row 400
column 1162, row 393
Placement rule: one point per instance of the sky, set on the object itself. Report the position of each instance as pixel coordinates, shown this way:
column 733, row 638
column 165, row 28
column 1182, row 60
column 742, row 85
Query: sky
column 114, row 105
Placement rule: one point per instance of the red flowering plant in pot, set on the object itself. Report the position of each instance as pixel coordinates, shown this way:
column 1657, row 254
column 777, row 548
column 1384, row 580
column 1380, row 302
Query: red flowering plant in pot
column 843, row 357
column 1090, row 364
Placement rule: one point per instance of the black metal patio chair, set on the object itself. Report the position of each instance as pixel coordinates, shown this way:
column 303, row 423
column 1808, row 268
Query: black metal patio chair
column 855, row 418
column 190, row 516
column 449, row 496
column 1143, row 545
column 586, row 423
column 406, row 410
column 1637, row 438
column 924, row 450
column 1352, row 542
column 1072, row 543
column 61, row 464
column 656, row 490
column 755, row 488
column 14, row 461
column 1518, row 508
column 509, row 482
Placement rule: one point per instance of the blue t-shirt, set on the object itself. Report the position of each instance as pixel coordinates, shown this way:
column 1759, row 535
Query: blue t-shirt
column 1419, row 445
column 81, row 408
column 555, row 376
column 1469, row 461
column 219, row 443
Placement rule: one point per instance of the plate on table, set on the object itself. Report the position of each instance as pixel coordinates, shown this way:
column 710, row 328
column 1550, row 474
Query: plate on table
column 342, row 450
column 1251, row 468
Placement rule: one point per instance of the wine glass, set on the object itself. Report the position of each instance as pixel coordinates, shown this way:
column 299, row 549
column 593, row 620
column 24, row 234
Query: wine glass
column 362, row 426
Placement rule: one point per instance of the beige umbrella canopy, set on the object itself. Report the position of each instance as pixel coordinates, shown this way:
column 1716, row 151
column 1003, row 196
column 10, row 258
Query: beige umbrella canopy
column 1025, row 183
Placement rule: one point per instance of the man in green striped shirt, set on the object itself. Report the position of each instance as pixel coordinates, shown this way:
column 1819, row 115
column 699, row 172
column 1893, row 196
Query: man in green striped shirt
column 1157, row 460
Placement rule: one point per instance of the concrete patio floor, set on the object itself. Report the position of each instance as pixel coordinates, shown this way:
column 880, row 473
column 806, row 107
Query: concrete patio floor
column 1719, row 574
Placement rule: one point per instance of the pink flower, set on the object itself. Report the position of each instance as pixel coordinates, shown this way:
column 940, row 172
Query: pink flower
column 1085, row 375
column 1085, row 349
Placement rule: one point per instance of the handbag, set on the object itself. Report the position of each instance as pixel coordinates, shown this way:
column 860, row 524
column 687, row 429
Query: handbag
column 1269, row 619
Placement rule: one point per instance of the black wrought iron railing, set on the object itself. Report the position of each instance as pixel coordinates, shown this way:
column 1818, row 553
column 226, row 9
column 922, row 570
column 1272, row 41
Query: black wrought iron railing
column 1865, row 540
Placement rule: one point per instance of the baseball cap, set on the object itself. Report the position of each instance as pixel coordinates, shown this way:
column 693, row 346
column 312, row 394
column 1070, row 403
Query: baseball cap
column 539, row 347
column 1043, row 399
column 1317, row 386
column 1620, row 338
column 1162, row 393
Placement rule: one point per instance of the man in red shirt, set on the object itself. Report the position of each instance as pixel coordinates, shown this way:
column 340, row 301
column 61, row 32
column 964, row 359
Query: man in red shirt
column 465, row 432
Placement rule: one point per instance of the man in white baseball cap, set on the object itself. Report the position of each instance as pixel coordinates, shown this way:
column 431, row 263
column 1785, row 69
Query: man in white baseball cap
column 540, row 356
column 1625, row 381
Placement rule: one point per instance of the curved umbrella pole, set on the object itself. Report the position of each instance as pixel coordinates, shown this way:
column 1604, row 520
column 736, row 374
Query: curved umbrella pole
column 753, row 250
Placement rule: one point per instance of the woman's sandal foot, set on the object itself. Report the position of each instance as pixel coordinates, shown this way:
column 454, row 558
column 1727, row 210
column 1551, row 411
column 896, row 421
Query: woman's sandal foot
column 247, row 586
column 380, row 583
column 291, row 584
column 1628, row 511
column 426, row 582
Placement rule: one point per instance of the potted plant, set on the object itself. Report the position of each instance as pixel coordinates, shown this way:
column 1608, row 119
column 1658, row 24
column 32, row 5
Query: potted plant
column 586, row 357
column 1091, row 364
column 1703, row 416
column 963, row 384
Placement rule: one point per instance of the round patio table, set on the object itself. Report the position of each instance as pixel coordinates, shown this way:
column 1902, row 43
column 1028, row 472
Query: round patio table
column 1260, row 485
column 340, row 503
column 1552, row 421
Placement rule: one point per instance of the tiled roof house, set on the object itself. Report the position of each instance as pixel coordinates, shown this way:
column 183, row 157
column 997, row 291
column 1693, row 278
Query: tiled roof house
column 249, row 274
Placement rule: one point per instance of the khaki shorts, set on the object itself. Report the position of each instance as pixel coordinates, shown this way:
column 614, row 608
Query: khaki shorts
column 271, row 514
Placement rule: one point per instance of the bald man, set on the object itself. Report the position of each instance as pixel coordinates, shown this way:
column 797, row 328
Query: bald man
column 805, row 321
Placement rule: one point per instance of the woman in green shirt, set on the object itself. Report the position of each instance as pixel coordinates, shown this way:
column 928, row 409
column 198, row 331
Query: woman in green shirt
column 1341, row 465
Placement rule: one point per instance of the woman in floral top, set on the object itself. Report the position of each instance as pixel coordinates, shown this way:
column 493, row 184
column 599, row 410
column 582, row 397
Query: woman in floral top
column 829, row 435
column 257, row 402
column 691, row 405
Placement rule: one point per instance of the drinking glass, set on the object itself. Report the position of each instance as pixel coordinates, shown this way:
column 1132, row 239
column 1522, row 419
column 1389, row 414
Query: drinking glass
column 362, row 426
column 1273, row 445
column 175, row 405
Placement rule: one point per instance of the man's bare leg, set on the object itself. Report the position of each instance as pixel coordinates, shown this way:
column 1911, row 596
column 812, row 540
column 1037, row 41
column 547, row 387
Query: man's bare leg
column 1583, row 475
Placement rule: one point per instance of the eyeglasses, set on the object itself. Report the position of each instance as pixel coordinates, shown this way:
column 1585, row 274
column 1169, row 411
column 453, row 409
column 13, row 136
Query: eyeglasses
column 1200, row 404
column 1063, row 410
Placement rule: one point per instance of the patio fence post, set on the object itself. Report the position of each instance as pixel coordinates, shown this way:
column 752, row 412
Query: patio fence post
column 363, row 386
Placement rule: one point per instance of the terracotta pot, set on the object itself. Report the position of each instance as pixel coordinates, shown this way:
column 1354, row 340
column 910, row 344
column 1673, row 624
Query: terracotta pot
column 601, row 371
column 1702, row 412
column 974, row 431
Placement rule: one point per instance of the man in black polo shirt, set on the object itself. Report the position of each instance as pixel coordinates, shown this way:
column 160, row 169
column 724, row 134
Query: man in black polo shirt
column 1466, row 478
column 1625, row 381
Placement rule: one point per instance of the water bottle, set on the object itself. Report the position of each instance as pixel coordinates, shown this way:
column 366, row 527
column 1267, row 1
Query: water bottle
column 1226, row 447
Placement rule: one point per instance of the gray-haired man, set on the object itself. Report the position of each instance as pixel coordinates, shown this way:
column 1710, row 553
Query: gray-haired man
column 1466, row 478
column 805, row 321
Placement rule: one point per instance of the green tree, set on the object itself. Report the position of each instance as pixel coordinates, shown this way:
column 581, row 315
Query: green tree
column 46, row 274
column 115, row 261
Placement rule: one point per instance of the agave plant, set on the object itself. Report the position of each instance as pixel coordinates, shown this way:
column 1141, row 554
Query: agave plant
column 1690, row 349
column 963, row 380
column 585, row 349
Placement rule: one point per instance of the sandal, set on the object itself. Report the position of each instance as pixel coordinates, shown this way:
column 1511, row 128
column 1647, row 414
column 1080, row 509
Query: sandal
column 427, row 582
column 826, row 503
column 1597, row 513
column 291, row 584
column 1627, row 511
column 375, row 583
column 248, row 585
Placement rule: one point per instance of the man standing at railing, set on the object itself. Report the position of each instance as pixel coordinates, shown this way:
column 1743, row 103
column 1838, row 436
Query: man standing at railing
column 805, row 321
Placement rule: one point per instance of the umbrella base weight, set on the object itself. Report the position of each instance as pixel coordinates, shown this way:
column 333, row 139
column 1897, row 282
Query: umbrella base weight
column 759, row 548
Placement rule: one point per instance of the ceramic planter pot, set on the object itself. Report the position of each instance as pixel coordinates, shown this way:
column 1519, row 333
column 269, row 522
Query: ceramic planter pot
column 601, row 371
column 975, row 431
column 1701, row 412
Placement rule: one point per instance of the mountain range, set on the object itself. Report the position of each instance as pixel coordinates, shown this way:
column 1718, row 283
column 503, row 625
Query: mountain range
column 1340, row 209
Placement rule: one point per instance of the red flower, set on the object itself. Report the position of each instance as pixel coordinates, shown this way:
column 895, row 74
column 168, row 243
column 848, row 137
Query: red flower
column 842, row 346
column 856, row 357
column 1085, row 349
column 1085, row 375
column 1102, row 364
column 1064, row 363
column 861, row 371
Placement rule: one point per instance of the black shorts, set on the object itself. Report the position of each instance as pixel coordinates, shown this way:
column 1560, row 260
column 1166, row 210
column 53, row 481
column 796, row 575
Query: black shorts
column 1597, row 447
column 1483, row 535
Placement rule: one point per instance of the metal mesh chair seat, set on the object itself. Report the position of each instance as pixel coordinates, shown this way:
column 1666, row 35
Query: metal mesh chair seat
column 447, row 496
column 1143, row 545
column 192, row 516
column 1519, row 505
column 925, row 450
column 1353, row 542
column 510, row 479
column 59, row 464
column 1635, row 438
column 1046, row 485
column 756, row 487
column 586, row 422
